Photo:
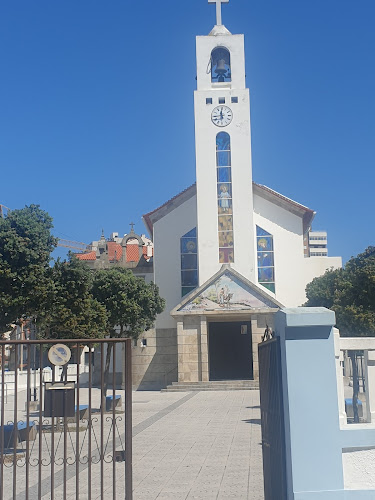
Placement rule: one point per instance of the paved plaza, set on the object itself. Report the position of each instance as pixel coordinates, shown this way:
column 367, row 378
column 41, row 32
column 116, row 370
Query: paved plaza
column 198, row 445
column 186, row 445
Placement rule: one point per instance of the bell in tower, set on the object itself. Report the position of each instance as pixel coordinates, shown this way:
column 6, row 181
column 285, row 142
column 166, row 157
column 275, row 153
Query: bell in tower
column 220, row 65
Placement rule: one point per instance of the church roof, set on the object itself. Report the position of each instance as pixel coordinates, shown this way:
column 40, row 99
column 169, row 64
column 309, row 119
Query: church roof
column 167, row 207
column 265, row 192
column 288, row 204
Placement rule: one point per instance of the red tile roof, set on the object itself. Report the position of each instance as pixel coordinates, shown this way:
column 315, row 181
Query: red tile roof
column 132, row 252
column 114, row 251
column 86, row 256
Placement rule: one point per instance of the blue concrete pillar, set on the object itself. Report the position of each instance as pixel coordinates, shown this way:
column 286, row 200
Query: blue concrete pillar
column 314, row 458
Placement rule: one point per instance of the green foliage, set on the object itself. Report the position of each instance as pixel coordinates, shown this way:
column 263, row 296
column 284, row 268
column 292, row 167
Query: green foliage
column 131, row 303
column 67, row 300
column 26, row 244
column 72, row 312
column 321, row 292
column 350, row 292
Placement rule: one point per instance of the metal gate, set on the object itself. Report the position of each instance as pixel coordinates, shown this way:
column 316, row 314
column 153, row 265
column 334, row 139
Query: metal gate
column 272, row 420
column 66, row 428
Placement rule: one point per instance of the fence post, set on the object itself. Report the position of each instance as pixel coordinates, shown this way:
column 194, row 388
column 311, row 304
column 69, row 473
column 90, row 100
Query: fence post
column 312, row 431
column 370, row 385
column 340, row 379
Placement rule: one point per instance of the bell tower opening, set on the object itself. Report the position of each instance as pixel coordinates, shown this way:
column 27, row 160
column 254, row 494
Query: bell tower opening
column 220, row 65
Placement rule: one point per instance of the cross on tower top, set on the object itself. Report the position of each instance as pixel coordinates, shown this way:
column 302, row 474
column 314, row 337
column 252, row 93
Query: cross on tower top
column 218, row 9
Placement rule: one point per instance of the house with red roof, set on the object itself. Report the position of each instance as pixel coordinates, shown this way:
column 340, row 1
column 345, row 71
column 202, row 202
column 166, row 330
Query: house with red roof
column 132, row 251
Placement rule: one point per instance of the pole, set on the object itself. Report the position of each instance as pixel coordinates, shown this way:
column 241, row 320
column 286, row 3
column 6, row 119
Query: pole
column 128, row 422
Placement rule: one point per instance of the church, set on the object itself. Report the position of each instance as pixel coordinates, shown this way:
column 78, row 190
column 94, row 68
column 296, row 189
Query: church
column 228, row 252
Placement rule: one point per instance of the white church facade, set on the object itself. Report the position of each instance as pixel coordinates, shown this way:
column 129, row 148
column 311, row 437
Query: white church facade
column 228, row 253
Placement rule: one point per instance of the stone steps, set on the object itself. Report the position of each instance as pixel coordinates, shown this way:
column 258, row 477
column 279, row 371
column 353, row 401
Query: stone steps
column 219, row 385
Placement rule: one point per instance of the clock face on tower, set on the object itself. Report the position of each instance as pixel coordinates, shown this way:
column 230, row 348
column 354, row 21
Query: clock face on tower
column 221, row 116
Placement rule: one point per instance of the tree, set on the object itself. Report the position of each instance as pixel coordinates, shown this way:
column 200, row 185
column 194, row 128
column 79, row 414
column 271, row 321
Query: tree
column 26, row 244
column 350, row 292
column 132, row 304
column 71, row 311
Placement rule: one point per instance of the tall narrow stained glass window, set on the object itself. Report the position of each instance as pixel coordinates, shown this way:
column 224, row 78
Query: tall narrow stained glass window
column 189, row 262
column 265, row 254
column 224, row 198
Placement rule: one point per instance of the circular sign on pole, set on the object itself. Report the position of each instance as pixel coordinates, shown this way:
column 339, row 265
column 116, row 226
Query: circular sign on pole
column 59, row 354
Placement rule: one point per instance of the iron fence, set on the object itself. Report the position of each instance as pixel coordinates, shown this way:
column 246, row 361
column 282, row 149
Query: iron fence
column 75, row 440
column 272, row 420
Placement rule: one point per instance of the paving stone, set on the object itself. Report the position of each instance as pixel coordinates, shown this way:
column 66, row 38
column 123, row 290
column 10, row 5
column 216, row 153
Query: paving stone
column 201, row 445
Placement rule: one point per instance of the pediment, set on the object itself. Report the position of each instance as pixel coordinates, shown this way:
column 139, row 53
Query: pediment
column 227, row 291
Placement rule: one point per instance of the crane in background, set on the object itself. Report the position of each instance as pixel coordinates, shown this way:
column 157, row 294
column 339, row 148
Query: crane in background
column 3, row 210
column 73, row 245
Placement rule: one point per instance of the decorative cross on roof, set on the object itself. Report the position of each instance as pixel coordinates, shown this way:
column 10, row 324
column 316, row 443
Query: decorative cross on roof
column 218, row 9
column 132, row 225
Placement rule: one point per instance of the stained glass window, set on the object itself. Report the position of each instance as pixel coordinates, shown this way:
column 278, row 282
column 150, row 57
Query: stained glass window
column 189, row 262
column 265, row 254
column 224, row 198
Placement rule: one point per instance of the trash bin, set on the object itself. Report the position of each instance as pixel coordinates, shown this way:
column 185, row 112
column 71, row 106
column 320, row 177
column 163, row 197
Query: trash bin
column 59, row 399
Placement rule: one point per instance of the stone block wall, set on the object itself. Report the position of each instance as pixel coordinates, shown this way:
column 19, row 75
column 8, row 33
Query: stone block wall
column 155, row 364
column 189, row 352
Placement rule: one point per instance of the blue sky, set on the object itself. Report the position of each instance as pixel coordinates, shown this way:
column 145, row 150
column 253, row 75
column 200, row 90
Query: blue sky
column 97, row 124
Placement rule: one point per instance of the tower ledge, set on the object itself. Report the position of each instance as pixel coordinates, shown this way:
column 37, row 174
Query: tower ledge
column 219, row 30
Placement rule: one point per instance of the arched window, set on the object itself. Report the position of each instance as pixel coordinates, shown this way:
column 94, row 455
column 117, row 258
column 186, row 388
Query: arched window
column 220, row 65
column 224, row 198
column 189, row 262
column 266, row 265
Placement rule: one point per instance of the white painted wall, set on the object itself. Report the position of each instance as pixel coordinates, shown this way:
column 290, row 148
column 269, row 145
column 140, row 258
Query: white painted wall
column 316, row 266
column 205, row 137
column 292, row 270
column 167, row 259
column 287, row 231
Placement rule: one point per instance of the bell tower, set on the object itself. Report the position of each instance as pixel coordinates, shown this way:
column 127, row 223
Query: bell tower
column 223, row 154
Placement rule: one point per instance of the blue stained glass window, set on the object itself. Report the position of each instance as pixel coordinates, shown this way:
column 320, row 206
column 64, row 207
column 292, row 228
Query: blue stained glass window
column 224, row 174
column 188, row 245
column 191, row 234
column 223, row 158
column 223, row 141
column 189, row 261
column 262, row 232
column 265, row 243
column 224, row 197
column 265, row 274
column 265, row 256
column 265, row 259
column 189, row 278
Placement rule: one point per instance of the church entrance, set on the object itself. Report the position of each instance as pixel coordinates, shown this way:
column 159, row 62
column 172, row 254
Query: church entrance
column 230, row 351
